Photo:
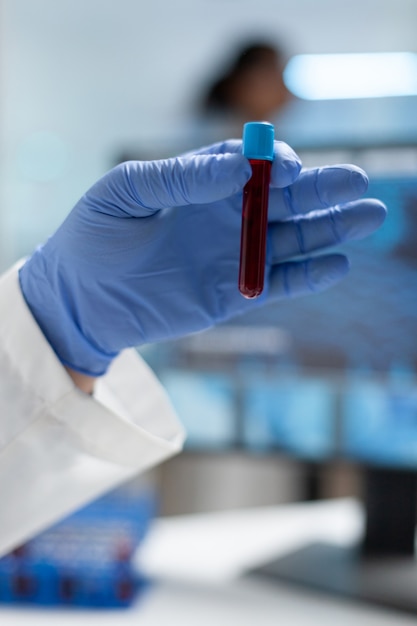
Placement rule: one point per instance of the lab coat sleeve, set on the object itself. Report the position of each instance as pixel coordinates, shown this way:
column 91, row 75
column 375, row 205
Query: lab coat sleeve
column 60, row 448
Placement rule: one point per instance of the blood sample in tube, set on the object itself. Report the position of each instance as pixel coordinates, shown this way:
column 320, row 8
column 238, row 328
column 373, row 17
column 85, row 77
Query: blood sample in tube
column 258, row 147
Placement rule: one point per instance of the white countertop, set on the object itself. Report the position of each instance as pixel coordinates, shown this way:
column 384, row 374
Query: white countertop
column 199, row 561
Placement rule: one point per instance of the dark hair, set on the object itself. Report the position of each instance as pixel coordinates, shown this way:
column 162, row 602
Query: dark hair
column 255, row 54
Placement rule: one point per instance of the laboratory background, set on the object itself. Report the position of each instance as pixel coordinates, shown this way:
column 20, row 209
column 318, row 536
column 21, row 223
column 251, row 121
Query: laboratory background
column 304, row 404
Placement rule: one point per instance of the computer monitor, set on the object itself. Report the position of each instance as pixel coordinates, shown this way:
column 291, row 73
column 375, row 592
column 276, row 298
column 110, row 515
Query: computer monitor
column 329, row 376
column 364, row 333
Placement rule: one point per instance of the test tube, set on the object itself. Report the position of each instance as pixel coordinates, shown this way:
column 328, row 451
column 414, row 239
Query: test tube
column 258, row 147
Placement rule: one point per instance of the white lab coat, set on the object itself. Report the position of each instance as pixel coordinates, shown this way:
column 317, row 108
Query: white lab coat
column 60, row 448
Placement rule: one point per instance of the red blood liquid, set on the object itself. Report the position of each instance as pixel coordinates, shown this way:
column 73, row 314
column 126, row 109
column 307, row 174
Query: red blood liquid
column 254, row 227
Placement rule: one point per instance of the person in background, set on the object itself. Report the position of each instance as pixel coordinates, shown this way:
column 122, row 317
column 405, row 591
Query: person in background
column 251, row 87
column 149, row 253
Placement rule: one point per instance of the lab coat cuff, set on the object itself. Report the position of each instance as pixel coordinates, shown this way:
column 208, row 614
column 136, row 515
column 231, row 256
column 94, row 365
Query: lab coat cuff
column 59, row 447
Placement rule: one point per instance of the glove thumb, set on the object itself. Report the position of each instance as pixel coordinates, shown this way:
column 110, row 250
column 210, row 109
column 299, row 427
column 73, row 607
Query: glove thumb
column 138, row 188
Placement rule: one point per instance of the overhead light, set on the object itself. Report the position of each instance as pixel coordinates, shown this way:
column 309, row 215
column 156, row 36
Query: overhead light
column 345, row 76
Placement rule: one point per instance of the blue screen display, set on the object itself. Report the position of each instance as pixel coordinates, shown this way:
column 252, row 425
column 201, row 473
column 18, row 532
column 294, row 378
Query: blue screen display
column 293, row 415
column 379, row 423
column 206, row 406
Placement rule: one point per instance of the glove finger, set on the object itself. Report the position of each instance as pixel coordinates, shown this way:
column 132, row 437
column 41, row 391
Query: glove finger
column 230, row 146
column 321, row 229
column 317, row 189
column 286, row 165
column 289, row 280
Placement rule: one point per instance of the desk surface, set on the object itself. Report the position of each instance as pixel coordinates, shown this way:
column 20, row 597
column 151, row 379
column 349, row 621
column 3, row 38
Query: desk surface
column 199, row 564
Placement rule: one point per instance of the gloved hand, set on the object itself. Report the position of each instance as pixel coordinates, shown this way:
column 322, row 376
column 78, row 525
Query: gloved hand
column 151, row 251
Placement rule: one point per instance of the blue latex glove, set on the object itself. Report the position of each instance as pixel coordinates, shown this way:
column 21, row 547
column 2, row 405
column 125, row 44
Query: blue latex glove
column 151, row 251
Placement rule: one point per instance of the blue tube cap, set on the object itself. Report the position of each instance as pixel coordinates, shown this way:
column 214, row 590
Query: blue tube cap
column 258, row 140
